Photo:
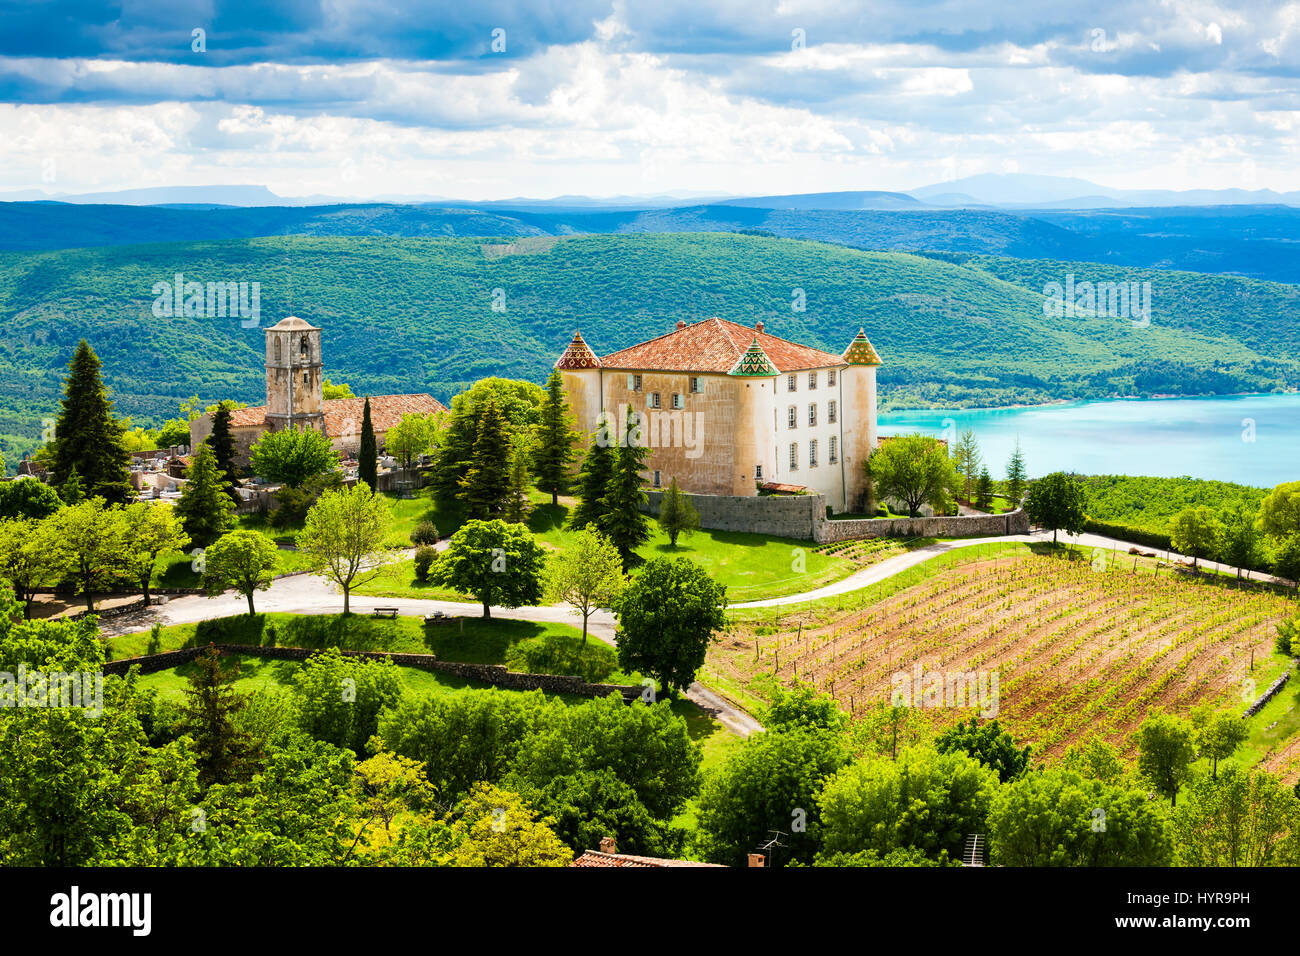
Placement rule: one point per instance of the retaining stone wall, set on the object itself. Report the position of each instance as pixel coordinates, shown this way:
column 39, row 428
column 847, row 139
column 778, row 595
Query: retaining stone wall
column 493, row 674
column 804, row 517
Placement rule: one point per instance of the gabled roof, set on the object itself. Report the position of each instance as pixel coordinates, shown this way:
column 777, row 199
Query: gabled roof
column 578, row 355
column 385, row 412
column 860, row 351
column 716, row 345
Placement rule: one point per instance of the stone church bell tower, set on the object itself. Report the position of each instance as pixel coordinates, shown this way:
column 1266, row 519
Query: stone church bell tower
column 294, row 376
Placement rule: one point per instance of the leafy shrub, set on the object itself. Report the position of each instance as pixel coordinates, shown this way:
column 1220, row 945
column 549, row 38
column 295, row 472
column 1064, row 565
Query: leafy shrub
column 556, row 655
column 426, row 532
column 425, row 555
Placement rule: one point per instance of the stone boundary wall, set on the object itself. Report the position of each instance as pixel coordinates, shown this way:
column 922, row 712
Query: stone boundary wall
column 1013, row 522
column 1272, row 691
column 792, row 516
column 493, row 674
column 804, row 517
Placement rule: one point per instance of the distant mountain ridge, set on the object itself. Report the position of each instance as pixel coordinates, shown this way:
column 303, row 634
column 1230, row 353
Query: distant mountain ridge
column 1255, row 241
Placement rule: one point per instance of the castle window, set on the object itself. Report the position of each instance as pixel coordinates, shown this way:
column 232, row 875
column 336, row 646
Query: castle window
column 834, row 451
column 279, row 354
column 812, row 453
column 812, row 379
column 791, row 383
column 678, row 401
column 830, row 378
column 304, row 350
column 758, row 472
column 794, row 456
column 634, row 383
column 695, row 385
column 656, row 479
column 654, row 399
column 306, row 378
column 792, row 418
column 812, row 413
column 830, row 412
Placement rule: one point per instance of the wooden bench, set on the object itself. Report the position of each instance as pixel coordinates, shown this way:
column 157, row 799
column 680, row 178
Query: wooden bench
column 385, row 612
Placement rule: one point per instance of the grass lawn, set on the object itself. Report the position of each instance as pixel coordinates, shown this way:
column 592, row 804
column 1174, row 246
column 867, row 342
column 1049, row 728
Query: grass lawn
column 752, row 566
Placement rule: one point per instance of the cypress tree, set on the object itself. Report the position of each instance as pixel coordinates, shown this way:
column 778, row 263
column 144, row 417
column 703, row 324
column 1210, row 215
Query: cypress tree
column 368, row 456
column 87, row 437
column 593, row 476
column 623, row 521
column 1017, row 476
column 205, row 510
column 222, row 443
column 677, row 515
column 555, row 440
column 486, row 482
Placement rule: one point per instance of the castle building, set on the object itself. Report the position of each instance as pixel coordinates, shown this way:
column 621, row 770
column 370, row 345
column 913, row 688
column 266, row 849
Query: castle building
column 731, row 410
column 295, row 399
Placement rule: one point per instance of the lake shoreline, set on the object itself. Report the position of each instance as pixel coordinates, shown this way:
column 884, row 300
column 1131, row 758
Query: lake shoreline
column 1057, row 402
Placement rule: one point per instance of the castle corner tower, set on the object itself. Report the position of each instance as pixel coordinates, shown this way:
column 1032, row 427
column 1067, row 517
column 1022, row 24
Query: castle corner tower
column 860, row 434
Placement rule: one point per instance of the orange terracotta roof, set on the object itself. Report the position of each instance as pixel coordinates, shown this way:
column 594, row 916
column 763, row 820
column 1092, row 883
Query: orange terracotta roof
column 716, row 345
column 596, row 858
column 344, row 414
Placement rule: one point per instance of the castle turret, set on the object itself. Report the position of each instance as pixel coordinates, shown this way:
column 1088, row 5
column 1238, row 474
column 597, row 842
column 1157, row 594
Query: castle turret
column 753, row 439
column 580, row 369
column 860, row 434
column 294, row 376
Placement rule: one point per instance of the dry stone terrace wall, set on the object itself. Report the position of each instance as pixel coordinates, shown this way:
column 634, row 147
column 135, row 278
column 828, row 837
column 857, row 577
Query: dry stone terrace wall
column 804, row 517
column 1013, row 522
column 493, row 674
column 784, row 517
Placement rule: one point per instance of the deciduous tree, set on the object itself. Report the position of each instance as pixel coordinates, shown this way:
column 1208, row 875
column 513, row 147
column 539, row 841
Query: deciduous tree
column 497, row 562
column 344, row 537
column 668, row 616
column 243, row 561
column 1058, row 502
column 293, row 456
column 914, row 469
column 587, row 574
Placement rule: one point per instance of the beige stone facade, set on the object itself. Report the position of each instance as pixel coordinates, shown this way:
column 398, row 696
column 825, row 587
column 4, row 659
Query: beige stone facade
column 726, row 409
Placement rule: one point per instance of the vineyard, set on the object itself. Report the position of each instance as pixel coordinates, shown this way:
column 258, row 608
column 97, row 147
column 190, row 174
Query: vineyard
column 1079, row 647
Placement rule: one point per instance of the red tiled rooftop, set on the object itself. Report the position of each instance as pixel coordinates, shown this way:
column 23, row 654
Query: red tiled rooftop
column 596, row 858
column 385, row 412
column 715, row 345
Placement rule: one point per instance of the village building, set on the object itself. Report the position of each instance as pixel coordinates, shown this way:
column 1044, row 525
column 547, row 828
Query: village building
column 731, row 410
column 295, row 399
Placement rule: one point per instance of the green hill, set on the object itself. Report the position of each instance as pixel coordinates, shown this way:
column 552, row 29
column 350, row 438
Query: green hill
column 417, row 314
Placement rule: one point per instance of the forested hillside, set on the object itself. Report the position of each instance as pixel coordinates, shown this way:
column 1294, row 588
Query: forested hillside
column 417, row 314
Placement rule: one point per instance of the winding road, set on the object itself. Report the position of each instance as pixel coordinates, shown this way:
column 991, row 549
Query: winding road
column 312, row 594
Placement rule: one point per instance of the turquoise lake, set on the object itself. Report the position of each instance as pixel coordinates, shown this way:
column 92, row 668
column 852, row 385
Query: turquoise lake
column 1250, row 439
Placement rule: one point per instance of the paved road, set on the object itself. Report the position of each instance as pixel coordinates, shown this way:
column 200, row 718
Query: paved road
column 876, row 573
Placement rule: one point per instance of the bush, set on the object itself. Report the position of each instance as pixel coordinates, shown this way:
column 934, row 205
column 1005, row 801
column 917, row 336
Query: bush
column 425, row 555
column 426, row 532
column 558, row 655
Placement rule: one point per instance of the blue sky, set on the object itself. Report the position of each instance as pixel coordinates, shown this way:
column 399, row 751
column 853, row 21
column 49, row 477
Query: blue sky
column 604, row 98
